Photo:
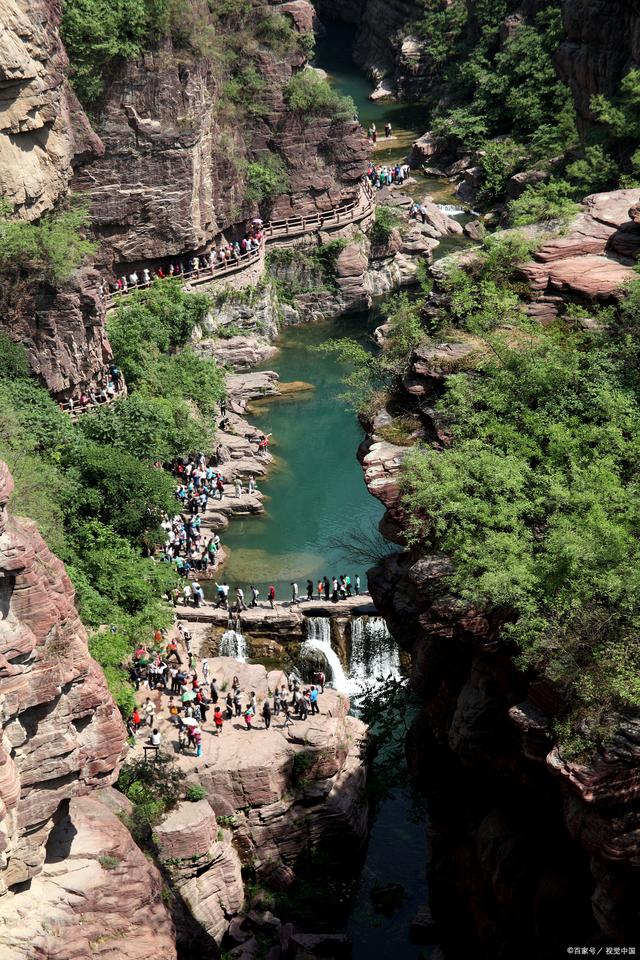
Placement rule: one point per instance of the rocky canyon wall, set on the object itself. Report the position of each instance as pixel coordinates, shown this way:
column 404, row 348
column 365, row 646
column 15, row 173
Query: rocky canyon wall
column 532, row 849
column 62, row 740
column 602, row 44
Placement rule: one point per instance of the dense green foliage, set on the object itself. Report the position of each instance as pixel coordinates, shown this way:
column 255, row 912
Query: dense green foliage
column 98, row 33
column 96, row 488
column 53, row 247
column 293, row 271
column 266, row 179
column 536, row 499
column 308, row 94
column 153, row 788
column 386, row 219
column 504, row 98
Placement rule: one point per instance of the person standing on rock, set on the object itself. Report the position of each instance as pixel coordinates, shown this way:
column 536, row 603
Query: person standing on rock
column 321, row 680
column 313, row 701
column 327, row 590
column 266, row 714
column 276, row 703
column 309, row 589
column 288, row 722
column 240, row 604
column 238, row 486
column 248, row 716
column 334, row 590
column 218, row 720
column 294, row 592
column 347, row 583
column 220, row 486
column 320, row 589
column 252, row 485
column 254, row 596
column 149, row 711
column 230, row 708
column 357, row 584
column 237, row 702
column 387, row 129
column 205, row 672
column 272, row 595
column 213, row 691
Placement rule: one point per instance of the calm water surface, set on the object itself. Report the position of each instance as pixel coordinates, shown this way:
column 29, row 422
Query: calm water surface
column 316, row 496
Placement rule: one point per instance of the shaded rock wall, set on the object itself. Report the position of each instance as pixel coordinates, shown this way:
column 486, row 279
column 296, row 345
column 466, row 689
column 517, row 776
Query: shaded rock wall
column 62, row 735
column 602, row 44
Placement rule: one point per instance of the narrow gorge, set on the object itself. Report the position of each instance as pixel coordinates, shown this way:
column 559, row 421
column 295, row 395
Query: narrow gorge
column 319, row 518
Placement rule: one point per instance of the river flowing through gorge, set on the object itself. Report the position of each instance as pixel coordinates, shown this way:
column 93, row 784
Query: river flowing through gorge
column 317, row 510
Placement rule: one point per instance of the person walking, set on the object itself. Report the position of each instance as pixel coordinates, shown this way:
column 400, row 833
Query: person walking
column 218, row 720
column 240, row 604
column 254, row 596
column 288, row 722
column 205, row 670
column 149, row 710
column 272, row 595
column 197, row 738
column 266, row 714
column 276, row 703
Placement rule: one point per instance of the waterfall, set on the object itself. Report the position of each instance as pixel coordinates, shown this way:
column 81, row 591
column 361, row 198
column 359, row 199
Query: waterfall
column 450, row 209
column 233, row 644
column 374, row 654
column 319, row 640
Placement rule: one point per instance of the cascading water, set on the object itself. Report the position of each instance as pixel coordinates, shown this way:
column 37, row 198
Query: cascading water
column 374, row 655
column 233, row 644
column 319, row 641
column 450, row 209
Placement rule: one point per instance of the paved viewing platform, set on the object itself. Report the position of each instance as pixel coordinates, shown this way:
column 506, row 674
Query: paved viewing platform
column 284, row 611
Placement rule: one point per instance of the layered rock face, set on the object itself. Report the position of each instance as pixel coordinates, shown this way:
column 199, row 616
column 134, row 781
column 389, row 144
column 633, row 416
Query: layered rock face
column 44, row 132
column 44, row 136
column 62, row 740
column 172, row 175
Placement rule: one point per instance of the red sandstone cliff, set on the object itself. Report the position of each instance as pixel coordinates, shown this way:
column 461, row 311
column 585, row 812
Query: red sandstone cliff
column 62, row 739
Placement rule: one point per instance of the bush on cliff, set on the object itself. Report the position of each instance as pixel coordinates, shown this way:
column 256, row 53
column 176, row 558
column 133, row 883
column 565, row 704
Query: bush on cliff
column 309, row 94
column 53, row 247
column 266, row 178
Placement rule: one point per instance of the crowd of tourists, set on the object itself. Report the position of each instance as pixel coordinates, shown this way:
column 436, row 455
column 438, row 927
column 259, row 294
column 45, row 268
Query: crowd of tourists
column 194, row 699
column 219, row 257
column 336, row 589
column 380, row 175
column 107, row 388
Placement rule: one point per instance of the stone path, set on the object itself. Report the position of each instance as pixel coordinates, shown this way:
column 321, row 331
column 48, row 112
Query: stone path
column 284, row 612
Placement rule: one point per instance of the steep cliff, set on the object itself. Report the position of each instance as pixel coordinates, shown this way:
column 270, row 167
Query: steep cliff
column 44, row 132
column 534, row 841
column 174, row 172
column 62, row 739
column 602, row 44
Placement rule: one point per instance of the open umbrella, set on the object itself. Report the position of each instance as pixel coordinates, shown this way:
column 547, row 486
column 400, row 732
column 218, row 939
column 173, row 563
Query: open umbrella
column 190, row 722
column 188, row 695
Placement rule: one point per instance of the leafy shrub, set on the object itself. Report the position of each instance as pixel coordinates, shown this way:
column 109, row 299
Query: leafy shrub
column 386, row 220
column 98, row 33
column 309, row 94
column 542, row 202
column 153, row 788
column 53, row 247
column 266, row 179
column 13, row 359
column 195, row 792
column 500, row 160
column 596, row 171
column 107, row 862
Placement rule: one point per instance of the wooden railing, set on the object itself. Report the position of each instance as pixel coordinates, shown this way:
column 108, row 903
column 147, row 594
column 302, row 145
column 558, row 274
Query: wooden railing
column 274, row 231
column 204, row 274
column 347, row 213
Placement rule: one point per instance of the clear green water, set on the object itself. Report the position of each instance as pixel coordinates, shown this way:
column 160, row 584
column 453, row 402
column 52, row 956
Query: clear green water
column 316, row 493
column 408, row 120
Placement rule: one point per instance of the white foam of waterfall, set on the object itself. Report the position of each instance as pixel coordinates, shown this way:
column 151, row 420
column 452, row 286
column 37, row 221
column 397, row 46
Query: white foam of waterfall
column 374, row 654
column 233, row 644
column 450, row 209
column 319, row 641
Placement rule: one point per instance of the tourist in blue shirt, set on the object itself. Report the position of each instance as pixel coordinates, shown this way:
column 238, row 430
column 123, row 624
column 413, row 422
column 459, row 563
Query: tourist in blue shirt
column 313, row 697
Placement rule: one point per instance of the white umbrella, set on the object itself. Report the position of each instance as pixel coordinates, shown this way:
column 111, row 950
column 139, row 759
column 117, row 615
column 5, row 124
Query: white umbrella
column 190, row 722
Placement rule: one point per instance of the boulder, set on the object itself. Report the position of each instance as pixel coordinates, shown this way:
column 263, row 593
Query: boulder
column 188, row 831
column 518, row 183
column 426, row 147
column 475, row 230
